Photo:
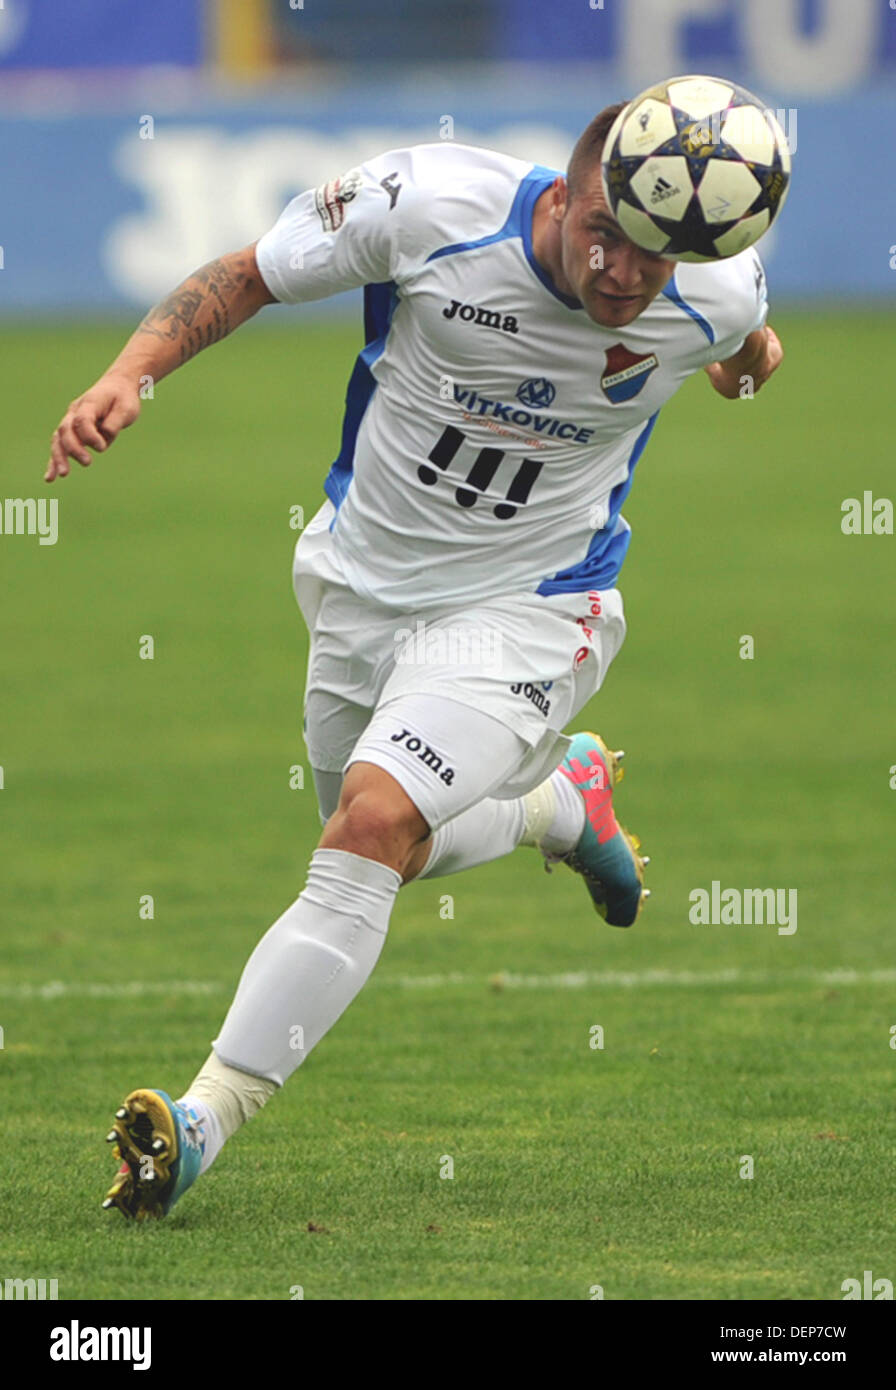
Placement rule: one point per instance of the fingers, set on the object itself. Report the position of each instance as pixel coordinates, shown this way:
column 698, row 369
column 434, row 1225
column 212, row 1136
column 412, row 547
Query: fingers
column 86, row 430
column 119, row 417
column 92, row 422
column 67, row 443
column 58, row 464
column 54, row 471
column 71, row 439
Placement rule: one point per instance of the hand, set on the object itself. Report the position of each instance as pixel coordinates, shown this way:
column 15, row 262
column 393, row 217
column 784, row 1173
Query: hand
column 93, row 421
column 760, row 355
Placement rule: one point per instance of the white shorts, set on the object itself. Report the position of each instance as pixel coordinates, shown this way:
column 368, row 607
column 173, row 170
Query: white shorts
column 522, row 661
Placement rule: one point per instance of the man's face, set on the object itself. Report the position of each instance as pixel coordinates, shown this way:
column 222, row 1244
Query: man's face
column 614, row 279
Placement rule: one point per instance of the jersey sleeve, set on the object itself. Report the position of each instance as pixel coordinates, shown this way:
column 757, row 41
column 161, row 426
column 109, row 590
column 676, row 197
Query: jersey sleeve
column 742, row 303
column 382, row 219
column 339, row 236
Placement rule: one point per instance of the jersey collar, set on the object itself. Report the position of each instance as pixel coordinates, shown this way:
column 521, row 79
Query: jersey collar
column 533, row 185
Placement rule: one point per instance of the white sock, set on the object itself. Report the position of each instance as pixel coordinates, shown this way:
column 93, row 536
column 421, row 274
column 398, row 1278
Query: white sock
column 222, row 1099
column 486, row 831
column 309, row 966
column 555, row 816
column 209, row 1127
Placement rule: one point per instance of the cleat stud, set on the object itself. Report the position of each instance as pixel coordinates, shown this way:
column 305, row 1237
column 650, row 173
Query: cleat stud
column 111, row 1137
column 108, row 1203
column 158, row 1145
column 619, row 755
column 646, row 893
column 121, row 1114
column 645, row 859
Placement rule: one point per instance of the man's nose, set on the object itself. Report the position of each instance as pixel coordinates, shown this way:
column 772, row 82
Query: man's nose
column 623, row 265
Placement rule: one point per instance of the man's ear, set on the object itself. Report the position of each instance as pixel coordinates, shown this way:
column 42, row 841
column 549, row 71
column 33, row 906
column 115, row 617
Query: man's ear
column 560, row 198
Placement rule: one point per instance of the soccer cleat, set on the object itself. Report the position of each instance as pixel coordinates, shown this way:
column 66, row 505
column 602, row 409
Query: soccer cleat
column 607, row 856
column 161, row 1148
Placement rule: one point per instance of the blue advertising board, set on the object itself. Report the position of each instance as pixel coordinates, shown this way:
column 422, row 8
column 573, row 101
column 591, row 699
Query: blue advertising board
column 105, row 213
column 46, row 34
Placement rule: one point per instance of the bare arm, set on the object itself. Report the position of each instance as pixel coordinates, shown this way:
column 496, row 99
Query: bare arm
column 210, row 303
column 760, row 355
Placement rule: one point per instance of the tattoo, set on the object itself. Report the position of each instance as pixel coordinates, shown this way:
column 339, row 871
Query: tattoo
column 195, row 315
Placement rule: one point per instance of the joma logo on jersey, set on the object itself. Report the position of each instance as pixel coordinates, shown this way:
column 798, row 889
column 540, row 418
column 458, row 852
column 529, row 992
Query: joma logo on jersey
column 481, row 318
column 426, row 755
column 626, row 373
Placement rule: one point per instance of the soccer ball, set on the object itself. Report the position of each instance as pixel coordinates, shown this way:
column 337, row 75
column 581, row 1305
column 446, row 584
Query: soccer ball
column 695, row 169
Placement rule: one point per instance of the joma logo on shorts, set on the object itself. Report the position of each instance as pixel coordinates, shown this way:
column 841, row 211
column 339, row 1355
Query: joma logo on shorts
column 482, row 318
column 532, row 692
column 426, row 755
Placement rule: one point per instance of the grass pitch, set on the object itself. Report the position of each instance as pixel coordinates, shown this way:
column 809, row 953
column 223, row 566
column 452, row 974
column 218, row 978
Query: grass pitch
column 573, row 1167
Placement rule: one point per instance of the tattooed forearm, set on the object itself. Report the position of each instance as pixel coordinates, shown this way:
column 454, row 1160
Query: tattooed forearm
column 175, row 312
column 209, row 304
column 196, row 314
column 204, row 334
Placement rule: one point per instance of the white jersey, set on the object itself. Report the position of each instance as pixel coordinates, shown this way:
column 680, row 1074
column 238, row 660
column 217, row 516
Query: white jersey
column 491, row 427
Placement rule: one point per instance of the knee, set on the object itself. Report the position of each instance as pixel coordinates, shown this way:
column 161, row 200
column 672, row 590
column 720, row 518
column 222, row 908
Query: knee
column 375, row 820
column 364, row 817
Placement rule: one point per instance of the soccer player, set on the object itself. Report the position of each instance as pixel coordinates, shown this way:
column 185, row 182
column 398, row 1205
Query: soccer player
column 459, row 581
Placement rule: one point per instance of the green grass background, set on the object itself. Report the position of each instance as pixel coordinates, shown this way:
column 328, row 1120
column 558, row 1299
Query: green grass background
column 573, row 1167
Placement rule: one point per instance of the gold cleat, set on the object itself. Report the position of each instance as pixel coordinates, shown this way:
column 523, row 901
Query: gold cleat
column 160, row 1153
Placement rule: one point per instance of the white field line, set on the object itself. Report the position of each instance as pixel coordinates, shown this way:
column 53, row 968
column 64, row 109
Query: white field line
column 646, row 979
column 503, row 979
column 127, row 989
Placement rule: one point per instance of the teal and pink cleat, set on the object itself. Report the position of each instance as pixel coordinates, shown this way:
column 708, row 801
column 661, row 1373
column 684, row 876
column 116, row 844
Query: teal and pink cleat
column 160, row 1145
column 606, row 856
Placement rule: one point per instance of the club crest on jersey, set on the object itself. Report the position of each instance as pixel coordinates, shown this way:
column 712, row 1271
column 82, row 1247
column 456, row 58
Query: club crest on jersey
column 626, row 373
column 330, row 199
